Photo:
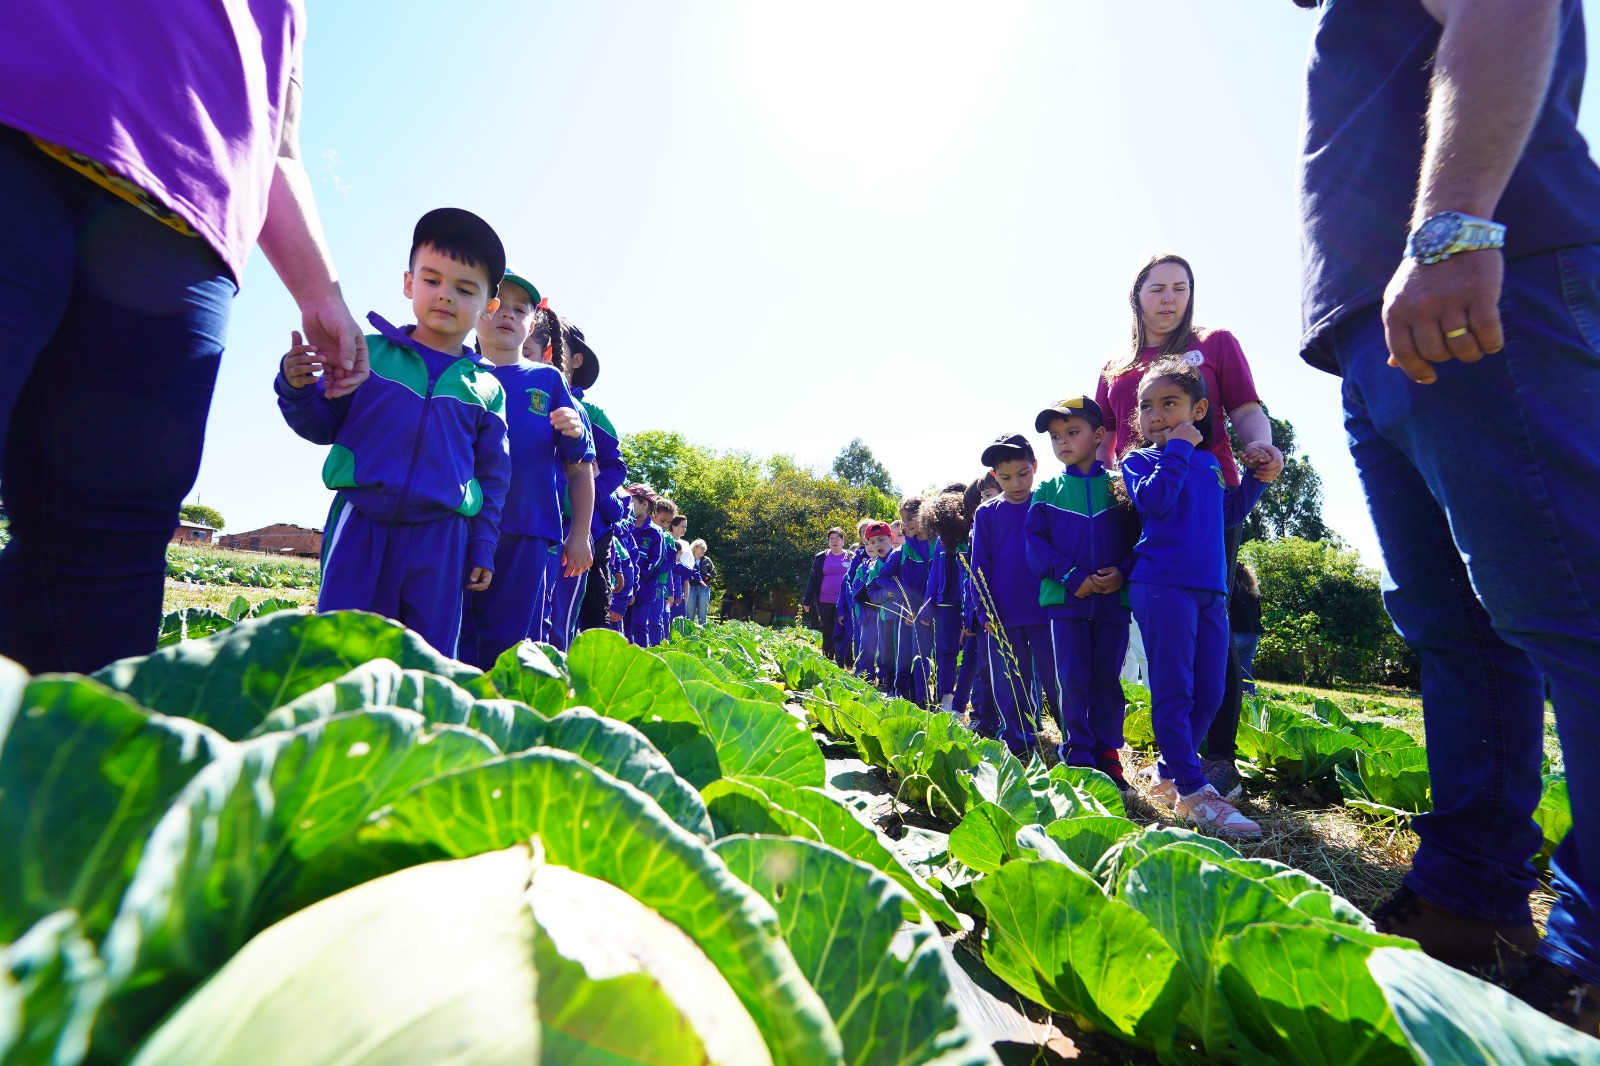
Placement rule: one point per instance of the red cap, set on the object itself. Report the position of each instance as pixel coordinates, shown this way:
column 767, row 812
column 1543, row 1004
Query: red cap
column 879, row 529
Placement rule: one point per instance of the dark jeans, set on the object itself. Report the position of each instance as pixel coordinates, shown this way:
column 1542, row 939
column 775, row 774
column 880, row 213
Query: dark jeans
column 1222, row 736
column 1484, row 489
column 827, row 621
column 1244, row 650
column 113, row 327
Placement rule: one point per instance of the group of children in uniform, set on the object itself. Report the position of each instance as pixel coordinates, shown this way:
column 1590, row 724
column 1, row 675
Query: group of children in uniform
column 478, row 493
column 1007, row 595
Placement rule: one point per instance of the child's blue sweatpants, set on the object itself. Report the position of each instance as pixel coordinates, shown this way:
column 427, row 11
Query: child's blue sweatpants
column 413, row 572
column 644, row 622
column 1089, row 657
column 946, row 648
column 512, row 608
column 1186, row 638
column 1012, row 681
column 867, row 649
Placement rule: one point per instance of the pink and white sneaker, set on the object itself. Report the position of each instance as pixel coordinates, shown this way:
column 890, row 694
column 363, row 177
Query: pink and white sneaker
column 1158, row 788
column 1208, row 810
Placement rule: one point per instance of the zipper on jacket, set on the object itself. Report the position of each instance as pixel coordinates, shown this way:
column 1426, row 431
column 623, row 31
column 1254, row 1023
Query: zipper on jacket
column 416, row 447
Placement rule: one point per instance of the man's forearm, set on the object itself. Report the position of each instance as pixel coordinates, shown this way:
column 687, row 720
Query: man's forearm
column 1489, row 83
column 292, row 237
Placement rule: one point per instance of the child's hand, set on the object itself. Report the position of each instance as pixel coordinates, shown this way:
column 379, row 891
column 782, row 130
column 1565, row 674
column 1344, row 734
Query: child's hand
column 300, row 363
column 989, row 628
column 613, row 617
column 1107, row 580
column 1088, row 588
column 577, row 554
column 1187, row 432
column 565, row 420
column 478, row 580
column 1268, row 465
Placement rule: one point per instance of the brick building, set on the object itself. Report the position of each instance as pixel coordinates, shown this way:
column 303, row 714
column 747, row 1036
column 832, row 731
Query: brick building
column 192, row 533
column 280, row 539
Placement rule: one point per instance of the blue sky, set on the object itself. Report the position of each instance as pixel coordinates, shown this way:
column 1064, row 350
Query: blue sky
column 786, row 225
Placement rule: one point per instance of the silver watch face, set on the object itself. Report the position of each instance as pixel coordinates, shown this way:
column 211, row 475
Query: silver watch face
column 1437, row 233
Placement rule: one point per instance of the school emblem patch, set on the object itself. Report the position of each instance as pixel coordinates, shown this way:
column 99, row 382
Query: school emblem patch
column 1222, row 481
column 1194, row 357
column 539, row 401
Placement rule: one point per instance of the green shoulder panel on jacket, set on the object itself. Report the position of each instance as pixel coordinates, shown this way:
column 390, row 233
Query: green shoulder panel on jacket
column 1088, row 496
column 598, row 417
column 397, row 363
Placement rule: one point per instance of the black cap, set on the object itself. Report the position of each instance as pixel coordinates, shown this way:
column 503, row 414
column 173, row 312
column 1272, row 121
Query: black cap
column 1070, row 407
column 583, row 377
column 465, row 237
column 1006, row 447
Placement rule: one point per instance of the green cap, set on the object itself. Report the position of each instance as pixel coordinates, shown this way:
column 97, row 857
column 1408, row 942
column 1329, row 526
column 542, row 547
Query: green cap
column 517, row 279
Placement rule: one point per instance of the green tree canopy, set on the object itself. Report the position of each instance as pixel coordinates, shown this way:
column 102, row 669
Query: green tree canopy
column 1292, row 507
column 856, row 465
column 199, row 512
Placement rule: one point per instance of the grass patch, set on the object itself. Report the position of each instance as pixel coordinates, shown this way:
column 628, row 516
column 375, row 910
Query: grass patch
column 180, row 594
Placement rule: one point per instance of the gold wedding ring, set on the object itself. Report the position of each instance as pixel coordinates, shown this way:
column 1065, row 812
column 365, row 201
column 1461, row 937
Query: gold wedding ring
column 1453, row 334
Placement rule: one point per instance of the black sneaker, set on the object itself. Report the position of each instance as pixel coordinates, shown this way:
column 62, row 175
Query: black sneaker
column 1480, row 948
column 1555, row 990
column 1109, row 762
column 1223, row 774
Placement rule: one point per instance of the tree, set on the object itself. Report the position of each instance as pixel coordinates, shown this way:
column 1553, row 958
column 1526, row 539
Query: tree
column 1323, row 617
column 1292, row 506
column 655, row 457
column 856, row 465
column 202, row 515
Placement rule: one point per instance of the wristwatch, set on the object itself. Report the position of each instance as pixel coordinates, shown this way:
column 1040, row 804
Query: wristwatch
column 1450, row 232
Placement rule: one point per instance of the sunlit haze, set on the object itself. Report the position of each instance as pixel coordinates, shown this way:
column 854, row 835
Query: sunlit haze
column 785, row 226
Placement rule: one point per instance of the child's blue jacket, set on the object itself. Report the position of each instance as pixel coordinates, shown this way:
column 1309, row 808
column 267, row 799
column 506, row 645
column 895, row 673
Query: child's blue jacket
column 1075, row 526
column 1184, row 504
column 998, row 557
column 537, row 497
column 903, row 581
column 610, row 469
column 622, row 564
column 423, row 438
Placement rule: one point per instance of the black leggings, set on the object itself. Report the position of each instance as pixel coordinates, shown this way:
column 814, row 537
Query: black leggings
column 827, row 618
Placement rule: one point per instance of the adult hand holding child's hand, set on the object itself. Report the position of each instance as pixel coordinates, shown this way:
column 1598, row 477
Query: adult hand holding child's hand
column 1265, row 457
column 299, row 363
column 341, row 348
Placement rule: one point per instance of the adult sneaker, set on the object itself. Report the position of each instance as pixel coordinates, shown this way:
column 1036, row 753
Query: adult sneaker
column 1161, row 789
column 1109, row 762
column 1560, row 993
column 1481, row 948
column 1208, row 810
column 1223, row 775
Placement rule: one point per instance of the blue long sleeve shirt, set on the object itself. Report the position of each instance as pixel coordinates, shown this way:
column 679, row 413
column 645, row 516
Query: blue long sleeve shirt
column 622, row 564
column 536, row 499
column 649, row 549
column 1184, row 505
column 423, row 438
column 904, row 577
column 611, row 471
column 999, row 557
column 1075, row 527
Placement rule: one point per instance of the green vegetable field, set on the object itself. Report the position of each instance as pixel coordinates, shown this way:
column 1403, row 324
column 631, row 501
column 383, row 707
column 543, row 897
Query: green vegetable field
column 310, row 839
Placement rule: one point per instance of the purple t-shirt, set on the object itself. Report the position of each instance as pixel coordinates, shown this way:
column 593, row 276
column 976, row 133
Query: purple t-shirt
column 833, row 568
column 184, row 99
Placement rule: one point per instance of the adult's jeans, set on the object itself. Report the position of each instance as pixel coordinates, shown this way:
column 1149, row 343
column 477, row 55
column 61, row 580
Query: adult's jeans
column 699, row 602
column 1484, row 488
column 1244, row 651
column 113, row 328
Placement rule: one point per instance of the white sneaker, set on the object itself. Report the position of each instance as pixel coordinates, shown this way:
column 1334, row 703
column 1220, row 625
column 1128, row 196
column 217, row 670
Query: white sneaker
column 1208, row 810
column 948, row 703
column 1155, row 786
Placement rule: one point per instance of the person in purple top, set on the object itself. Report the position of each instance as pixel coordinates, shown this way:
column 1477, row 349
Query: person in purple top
column 137, row 169
column 822, row 588
column 1005, row 594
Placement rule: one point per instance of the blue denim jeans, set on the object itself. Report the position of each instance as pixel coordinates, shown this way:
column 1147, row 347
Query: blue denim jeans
column 113, row 328
column 1484, row 488
column 699, row 601
column 1244, row 651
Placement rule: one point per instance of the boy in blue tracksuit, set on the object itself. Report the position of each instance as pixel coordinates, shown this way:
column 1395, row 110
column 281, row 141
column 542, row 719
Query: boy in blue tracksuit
column 418, row 462
column 947, row 526
column 646, row 616
column 1005, row 595
column 1080, row 535
column 903, row 582
column 624, row 576
column 550, row 457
